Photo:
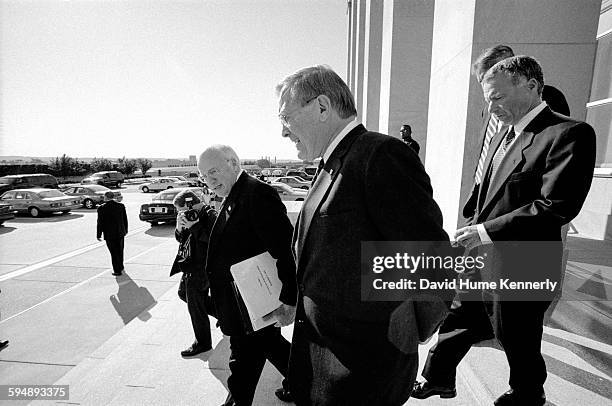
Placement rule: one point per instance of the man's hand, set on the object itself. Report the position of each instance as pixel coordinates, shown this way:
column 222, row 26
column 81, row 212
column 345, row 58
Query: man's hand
column 468, row 237
column 285, row 314
column 182, row 222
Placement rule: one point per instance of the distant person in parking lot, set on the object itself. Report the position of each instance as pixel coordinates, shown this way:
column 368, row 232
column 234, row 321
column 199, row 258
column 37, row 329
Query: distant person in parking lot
column 113, row 223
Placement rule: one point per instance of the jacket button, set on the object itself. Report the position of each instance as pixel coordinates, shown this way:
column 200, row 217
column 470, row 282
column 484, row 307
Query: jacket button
column 301, row 287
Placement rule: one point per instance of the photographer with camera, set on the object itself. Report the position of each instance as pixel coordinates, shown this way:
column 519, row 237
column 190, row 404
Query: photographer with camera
column 193, row 225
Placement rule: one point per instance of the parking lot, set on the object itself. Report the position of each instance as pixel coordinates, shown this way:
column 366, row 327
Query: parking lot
column 59, row 301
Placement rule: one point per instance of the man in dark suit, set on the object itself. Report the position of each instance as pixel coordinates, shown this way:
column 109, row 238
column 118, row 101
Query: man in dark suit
column 113, row 223
column 251, row 221
column 537, row 175
column 370, row 187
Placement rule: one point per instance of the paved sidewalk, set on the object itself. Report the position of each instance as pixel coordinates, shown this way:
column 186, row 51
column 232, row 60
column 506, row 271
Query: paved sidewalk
column 141, row 365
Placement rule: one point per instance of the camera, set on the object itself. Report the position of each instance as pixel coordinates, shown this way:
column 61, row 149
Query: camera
column 190, row 214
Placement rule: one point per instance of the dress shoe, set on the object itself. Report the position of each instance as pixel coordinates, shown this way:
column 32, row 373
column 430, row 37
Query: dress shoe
column 511, row 398
column 3, row 344
column 284, row 394
column 117, row 273
column 423, row 390
column 194, row 350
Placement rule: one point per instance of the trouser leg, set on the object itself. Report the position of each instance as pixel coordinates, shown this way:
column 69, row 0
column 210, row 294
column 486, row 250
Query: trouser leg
column 246, row 362
column 519, row 327
column 196, row 304
column 462, row 328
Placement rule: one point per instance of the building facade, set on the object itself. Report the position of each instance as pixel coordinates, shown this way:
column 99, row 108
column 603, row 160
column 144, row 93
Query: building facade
column 409, row 63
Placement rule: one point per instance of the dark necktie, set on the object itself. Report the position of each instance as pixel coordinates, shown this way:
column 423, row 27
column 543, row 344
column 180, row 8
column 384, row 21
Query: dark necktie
column 319, row 169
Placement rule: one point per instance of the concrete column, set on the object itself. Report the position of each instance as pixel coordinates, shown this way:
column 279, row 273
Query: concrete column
column 371, row 68
column 352, row 65
column 463, row 29
column 360, row 52
column 405, row 67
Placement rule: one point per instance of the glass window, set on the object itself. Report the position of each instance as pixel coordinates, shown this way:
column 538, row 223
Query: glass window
column 8, row 195
column 602, row 73
column 19, row 195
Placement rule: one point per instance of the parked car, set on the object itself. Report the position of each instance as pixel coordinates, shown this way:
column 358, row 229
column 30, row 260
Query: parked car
column 91, row 195
column 195, row 178
column 288, row 193
column 294, row 182
column 311, row 170
column 6, row 212
column 158, row 184
column 37, row 201
column 25, row 181
column 300, row 174
column 105, row 178
column 161, row 208
column 193, row 182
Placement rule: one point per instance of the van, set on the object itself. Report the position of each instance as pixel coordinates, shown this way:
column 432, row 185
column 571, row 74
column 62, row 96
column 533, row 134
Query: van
column 27, row 181
column 105, row 178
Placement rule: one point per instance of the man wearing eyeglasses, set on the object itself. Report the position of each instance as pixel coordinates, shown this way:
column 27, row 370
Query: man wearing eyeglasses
column 252, row 220
column 369, row 187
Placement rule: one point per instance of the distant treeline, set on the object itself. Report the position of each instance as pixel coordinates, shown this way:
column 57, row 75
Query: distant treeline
column 65, row 166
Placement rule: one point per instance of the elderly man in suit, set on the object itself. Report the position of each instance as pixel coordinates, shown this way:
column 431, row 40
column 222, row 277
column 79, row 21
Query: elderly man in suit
column 537, row 175
column 113, row 223
column 370, row 187
column 251, row 221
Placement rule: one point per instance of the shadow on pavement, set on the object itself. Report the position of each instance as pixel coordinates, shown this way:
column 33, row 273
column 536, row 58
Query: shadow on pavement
column 579, row 377
column 6, row 229
column 132, row 300
column 45, row 218
column 588, row 251
column 218, row 361
column 162, row 230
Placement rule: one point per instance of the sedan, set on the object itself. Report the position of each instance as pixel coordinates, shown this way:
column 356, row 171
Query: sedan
column 161, row 207
column 38, row 200
column 91, row 195
column 6, row 212
column 294, row 182
column 288, row 193
column 162, row 184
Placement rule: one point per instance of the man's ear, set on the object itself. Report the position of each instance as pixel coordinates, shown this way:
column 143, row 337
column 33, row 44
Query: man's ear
column 324, row 106
column 532, row 84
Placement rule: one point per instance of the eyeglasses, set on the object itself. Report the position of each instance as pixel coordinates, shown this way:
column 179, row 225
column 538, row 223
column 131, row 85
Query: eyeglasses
column 284, row 118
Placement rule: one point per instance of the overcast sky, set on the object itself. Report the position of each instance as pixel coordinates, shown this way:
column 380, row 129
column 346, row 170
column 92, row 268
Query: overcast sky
column 156, row 78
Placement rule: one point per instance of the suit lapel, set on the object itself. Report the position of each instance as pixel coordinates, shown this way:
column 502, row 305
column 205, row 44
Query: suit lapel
column 322, row 185
column 514, row 157
column 230, row 204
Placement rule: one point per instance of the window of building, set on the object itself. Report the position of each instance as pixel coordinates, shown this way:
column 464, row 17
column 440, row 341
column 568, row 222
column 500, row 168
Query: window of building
column 599, row 108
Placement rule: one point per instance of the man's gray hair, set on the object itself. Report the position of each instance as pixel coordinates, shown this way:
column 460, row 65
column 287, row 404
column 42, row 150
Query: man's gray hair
column 224, row 150
column 308, row 83
column 519, row 67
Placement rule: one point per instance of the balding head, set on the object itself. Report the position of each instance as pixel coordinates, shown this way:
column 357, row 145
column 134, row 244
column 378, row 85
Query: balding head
column 219, row 166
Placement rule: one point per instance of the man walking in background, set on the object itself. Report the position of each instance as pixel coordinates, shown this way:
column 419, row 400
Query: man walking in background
column 113, row 223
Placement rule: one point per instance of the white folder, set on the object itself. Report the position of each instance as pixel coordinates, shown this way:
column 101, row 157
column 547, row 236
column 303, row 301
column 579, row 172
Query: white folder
column 257, row 281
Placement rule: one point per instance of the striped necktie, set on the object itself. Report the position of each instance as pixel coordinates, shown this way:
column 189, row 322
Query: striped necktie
column 491, row 131
column 501, row 152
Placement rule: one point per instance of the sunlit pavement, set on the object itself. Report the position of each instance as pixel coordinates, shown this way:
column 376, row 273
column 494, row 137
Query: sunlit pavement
column 126, row 349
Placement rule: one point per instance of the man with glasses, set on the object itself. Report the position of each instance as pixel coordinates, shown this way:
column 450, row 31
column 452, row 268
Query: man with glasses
column 369, row 187
column 251, row 221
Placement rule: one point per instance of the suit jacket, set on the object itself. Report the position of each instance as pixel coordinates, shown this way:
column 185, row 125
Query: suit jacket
column 540, row 186
column 372, row 188
column 112, row 221
column 557, row 103
column 251, row 221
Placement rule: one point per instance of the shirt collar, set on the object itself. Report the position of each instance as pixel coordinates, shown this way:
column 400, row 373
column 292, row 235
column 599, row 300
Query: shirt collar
column 334, row 143
column 527, row 118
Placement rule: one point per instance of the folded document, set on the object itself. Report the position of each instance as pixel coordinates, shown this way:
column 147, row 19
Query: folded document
column 257, row 282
